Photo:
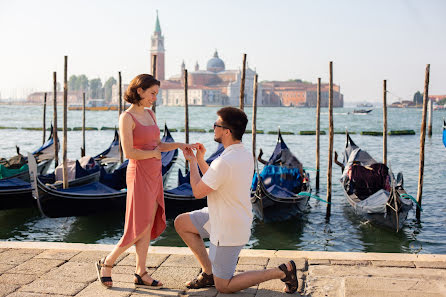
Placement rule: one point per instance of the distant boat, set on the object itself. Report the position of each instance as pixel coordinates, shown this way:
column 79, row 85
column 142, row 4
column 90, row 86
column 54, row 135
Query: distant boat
column 362, row 111
column 365, row 105
column 444, row 132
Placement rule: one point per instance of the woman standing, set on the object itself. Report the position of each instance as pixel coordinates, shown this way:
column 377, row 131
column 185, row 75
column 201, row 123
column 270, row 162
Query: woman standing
column 145, row 217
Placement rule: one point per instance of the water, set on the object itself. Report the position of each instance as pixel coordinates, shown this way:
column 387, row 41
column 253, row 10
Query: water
column 344, row 231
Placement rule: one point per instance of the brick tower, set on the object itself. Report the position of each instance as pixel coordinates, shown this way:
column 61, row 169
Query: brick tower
column 157, row 48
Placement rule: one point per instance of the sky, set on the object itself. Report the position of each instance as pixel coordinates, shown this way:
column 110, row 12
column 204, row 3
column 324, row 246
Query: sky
column 368, row 41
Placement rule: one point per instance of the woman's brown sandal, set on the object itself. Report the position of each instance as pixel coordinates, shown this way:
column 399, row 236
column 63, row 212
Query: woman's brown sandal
column 104, row 279
column 202, row 281
column 290, row 278
column 139, row 283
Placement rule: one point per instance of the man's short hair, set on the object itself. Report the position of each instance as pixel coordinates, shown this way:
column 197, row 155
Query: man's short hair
column 235, row 119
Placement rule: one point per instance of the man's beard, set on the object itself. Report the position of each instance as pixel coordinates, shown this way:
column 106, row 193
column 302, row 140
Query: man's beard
column 216, row 139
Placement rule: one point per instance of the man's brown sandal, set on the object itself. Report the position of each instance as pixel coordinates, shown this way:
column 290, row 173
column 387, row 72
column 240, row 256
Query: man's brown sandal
column 202, row 281
column 139, row 283
column 104, row 279
column 290, row 278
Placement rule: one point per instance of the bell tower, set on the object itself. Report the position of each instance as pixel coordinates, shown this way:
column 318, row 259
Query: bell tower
column 157, row 48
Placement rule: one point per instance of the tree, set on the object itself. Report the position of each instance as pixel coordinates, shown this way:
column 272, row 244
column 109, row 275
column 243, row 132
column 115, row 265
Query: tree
column 95, row 88
column 72, row 83
column 108, row 88
column 418, row 98
column 82, row 83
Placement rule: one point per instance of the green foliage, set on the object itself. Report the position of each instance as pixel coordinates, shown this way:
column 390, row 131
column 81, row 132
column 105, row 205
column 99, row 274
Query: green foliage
column 95, row 88
column 108, row 88
column 418, row 98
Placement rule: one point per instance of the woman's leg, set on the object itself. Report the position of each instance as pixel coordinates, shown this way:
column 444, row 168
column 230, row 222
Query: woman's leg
column 118, row 250
column 142, row 246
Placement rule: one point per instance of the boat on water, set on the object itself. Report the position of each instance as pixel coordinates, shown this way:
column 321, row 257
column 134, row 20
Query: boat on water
column 104, row 191
column 362, row 111
column 444, row 132
column 282, row 190
column 371, row 189
column 15, row 187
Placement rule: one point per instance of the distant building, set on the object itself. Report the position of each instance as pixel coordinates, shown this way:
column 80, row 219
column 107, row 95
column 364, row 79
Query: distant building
column 437, row 98
column 295, row 93
column 73, row 97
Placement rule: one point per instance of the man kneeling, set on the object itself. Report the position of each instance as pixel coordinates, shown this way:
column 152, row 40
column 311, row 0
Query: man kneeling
column 228, row 217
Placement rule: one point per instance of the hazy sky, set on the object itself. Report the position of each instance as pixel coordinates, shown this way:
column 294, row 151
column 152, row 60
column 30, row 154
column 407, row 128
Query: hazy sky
column 368, row 41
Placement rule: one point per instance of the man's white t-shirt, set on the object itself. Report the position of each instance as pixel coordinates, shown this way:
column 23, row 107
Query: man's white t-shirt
column 230, row 209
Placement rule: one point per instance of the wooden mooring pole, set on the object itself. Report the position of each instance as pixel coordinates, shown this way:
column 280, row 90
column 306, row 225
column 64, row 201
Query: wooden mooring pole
column 121, row 152
column 186, row 114
column 422, row 141
column 83, row 125
column 330, row 141
column 385, row 122
column 242, row 84
column 318, row 128
column 154, row 76
column 65, row 128
column 44, row 119
column 254, row 117
column 429, row 118
column 55, row 139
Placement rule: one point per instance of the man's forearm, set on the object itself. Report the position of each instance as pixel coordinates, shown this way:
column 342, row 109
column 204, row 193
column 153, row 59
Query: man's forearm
column 203, row 165
column 194, row 176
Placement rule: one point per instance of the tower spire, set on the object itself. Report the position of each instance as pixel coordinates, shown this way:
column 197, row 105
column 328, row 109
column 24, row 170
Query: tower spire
column 157, row 24
column 157, row 48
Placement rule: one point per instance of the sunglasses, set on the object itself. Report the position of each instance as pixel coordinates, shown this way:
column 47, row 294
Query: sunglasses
column 217, row 125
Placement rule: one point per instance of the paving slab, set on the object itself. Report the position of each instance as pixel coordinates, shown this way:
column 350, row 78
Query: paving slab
column 5, row 289
column 30, row 294
column 153, row 260
column 350, row 262
column 93, row 256
column 181, row 261
column 430, row 264
column 253, row 260
column 248, row 267
column 204, row 292
column 15, row 257
column 36, row 266
column 17, row 279
column 175, row 277
column 72, row 272
column 6, row 267
column 57, row 254
column 53, row 287
column 97, row 290
column 393, row 264
column 318, row 286
column 164, row 292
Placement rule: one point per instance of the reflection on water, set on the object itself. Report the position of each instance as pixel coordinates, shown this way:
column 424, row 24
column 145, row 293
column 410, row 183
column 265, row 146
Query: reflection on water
column 343, row 232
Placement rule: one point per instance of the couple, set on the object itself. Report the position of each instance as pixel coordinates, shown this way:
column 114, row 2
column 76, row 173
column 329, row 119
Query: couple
column 226, row 182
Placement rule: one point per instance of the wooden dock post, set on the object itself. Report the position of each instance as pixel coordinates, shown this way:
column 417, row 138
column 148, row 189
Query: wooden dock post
column 385, row 122
column 422, row 141
column 44, row 119
column 318, row 128
column 186, row 114
column 154, row 76
column 121, row 152
column 330, row 141
column 64, row 147
column 55, row 139
column 429, row 117
column 242, row 84
column 83, row 125
column 254, row 117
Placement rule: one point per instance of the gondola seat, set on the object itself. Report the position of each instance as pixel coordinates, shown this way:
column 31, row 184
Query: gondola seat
column 288, row 179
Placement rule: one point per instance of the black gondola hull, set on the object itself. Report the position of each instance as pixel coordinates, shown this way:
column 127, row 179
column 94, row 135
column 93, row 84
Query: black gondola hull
column 268, row 210
column 175, row 206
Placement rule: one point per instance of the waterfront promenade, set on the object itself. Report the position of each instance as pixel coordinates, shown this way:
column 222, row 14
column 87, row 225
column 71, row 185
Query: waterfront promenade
column 41, row 269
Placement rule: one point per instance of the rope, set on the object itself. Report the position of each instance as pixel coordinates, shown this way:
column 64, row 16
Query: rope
column 313, row 196
column 407, row 196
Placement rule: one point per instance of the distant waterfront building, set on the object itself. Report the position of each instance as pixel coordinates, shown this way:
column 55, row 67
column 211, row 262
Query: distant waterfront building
column 436, row 98
column 296, row 93
column 73, row 97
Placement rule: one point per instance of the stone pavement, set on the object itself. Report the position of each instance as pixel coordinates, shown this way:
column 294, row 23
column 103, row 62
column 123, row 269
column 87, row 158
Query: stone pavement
column 41, row 269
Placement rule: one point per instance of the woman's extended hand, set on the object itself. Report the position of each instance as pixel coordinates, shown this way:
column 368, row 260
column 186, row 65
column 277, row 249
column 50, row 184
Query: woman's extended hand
column 189, row 154
column 156, row 153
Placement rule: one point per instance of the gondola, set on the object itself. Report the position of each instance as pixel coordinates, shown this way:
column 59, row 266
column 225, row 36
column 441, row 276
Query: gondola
column 362, row 111
column 381, row 200
column 107, row 192
column 444, row 132
column 15, row 188
column 281, row 191
column 110, row 157
column 181, row 199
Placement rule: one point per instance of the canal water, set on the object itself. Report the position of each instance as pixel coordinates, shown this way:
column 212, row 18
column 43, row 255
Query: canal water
column 344, row 231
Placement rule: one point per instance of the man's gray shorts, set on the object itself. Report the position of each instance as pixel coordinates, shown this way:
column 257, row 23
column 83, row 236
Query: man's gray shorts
column 223, row 258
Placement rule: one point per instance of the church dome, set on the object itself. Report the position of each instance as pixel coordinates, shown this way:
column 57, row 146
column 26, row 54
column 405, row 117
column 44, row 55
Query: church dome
column 215, row 64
